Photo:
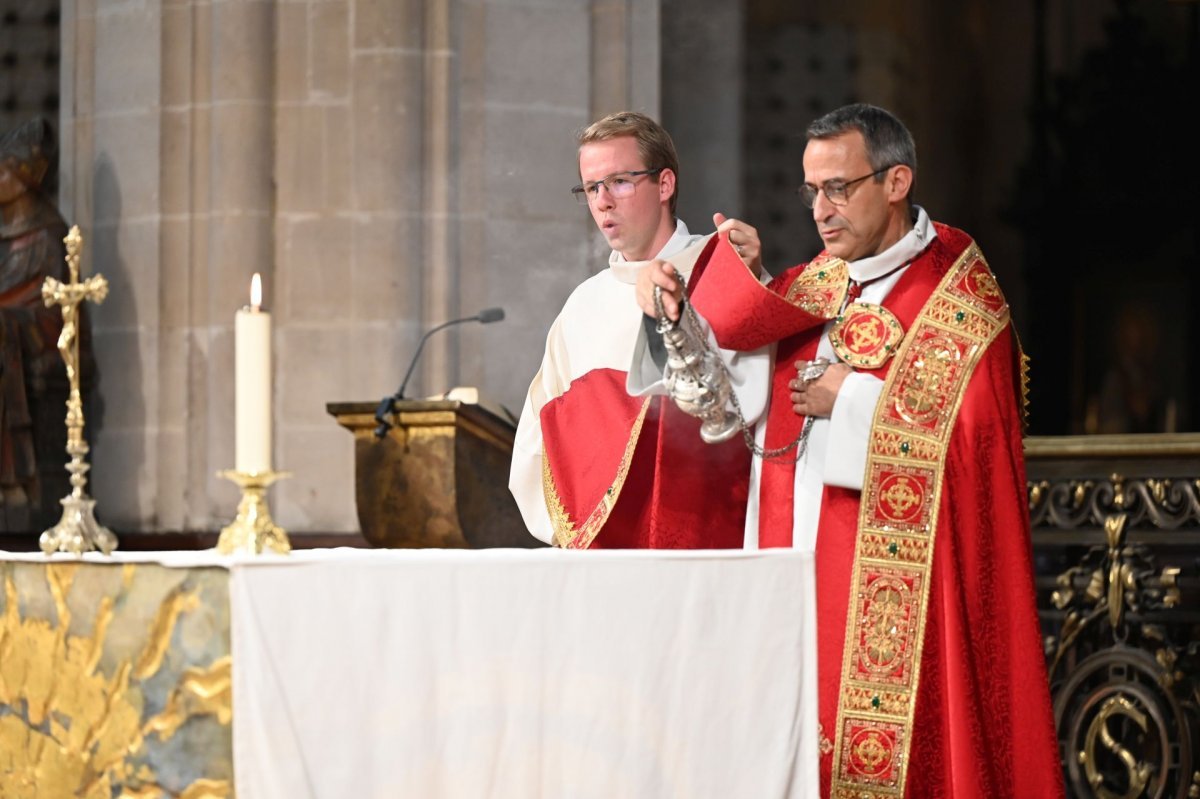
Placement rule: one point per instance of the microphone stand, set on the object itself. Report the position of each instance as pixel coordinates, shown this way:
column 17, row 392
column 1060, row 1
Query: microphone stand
column 384, row 409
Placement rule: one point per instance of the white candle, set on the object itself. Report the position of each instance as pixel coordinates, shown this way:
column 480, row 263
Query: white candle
column 252, row 387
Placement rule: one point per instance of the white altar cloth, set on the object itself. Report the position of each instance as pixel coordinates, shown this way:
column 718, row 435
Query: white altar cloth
column 524, row 674
column 539, row 674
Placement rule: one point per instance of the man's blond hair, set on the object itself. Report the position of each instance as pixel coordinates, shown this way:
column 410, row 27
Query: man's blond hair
column 654, row 143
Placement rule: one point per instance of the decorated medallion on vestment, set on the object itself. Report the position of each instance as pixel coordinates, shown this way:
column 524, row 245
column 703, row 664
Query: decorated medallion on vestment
column 821, row 288
column 866, row 335
column 898, row 516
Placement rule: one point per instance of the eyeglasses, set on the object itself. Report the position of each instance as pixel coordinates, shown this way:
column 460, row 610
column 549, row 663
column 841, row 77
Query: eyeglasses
column 618, row 185
column 836, row 190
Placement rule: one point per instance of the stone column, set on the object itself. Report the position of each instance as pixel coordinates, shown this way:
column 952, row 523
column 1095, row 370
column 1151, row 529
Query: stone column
column 168, row 137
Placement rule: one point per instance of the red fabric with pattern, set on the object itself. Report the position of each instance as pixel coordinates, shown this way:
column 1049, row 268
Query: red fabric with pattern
column 679, row 493
column 743, row 313
column 983, row 702
column 777, row 485
column 983, row 724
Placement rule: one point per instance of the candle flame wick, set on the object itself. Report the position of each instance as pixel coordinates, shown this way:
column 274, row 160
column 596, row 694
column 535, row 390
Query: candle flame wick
column 255, row 291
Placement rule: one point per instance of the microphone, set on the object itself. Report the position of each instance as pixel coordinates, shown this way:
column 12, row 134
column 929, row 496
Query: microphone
column 486, row 317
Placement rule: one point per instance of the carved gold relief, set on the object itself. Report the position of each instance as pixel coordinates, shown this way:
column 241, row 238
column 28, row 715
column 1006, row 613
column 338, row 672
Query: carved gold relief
column 1121, row 673
column 1165, row 503
column 1137, row 772
column 77, row 696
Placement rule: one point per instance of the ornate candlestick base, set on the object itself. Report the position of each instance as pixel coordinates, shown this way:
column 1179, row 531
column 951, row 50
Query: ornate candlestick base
column 78, row 531
column 253, row 532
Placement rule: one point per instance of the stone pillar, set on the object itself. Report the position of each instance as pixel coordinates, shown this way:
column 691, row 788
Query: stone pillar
column 168, row 139
column 349, row 232
column 625, row 57
column 703, row 107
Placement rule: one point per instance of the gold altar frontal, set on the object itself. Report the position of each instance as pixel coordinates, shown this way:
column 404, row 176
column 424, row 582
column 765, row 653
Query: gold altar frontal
column 114, row 676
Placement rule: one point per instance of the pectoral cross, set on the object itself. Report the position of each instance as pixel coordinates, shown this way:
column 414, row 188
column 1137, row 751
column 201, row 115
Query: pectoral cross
column 77, row 532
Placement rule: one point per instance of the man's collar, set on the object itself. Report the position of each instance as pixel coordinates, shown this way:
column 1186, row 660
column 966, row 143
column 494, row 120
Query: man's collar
column 627, row 271
column 910, row 245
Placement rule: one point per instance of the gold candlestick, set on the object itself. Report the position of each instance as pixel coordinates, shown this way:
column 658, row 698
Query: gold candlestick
column 77, row 531
column 253, row 531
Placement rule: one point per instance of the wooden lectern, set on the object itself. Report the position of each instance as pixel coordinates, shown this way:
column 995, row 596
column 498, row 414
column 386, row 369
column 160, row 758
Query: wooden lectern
column 439, row 478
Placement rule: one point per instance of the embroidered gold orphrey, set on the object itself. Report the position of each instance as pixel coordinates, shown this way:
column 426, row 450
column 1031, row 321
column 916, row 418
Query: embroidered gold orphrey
column 821, row 288
column 889, row 587
column 566, row 534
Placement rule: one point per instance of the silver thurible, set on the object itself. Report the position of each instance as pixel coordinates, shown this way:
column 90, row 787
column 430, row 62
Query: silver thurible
column 695, row 378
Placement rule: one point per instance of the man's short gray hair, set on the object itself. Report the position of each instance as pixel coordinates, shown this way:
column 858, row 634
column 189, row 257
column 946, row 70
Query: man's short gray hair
column 888, row 142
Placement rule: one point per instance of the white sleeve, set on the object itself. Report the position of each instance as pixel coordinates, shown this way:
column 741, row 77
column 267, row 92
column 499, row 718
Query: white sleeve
column 525, row 476
column 850, row 430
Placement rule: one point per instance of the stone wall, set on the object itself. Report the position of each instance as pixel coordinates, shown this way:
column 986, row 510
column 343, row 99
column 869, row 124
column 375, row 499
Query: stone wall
column 386, row 165
column 29, row 57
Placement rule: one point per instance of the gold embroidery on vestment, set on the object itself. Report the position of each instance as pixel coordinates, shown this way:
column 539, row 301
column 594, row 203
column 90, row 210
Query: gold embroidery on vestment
column 566, row 535
column 866, row 335
column 903, row 483
column 821, row 288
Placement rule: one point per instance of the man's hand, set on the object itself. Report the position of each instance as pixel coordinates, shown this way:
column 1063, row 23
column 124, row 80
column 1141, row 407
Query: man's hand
column 816, row 398
column 744, row 239
column 662, row 274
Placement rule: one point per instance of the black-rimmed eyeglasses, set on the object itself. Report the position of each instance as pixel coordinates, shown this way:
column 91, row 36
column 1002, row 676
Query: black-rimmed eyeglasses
column 618, row 185
column 836, row 190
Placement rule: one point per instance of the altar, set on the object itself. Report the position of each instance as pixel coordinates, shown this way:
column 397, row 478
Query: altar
column 422, row 673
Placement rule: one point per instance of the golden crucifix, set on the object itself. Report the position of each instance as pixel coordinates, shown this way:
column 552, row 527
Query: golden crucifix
column 77, row 531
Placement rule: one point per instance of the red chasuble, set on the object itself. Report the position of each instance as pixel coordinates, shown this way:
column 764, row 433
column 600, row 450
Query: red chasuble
column 632, row 472
column 931, row 672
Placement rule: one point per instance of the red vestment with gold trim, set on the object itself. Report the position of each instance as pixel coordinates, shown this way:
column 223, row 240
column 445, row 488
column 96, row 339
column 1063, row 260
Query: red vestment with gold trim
column 970, row 648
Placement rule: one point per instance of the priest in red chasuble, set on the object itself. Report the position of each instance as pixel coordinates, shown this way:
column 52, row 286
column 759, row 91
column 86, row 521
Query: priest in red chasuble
column 910, row 485
column 585, row 469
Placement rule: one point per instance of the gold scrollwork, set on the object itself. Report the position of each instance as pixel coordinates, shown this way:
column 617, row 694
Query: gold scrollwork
column 985, row 286
column 1119, row 570
column 1164, row 503
column 1081, row 492
column 1138, row 773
